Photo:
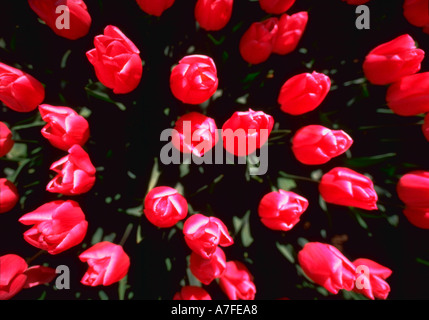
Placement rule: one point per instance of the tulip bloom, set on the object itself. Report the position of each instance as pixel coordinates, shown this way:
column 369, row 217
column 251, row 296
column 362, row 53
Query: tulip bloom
column 164, row 207
column 256, row 44
column 213, row 15
column 155, row 8
column 57, row 226
column 64, row 128
column 237, row 282
column 290, row 31
column 18, row 90
column 116, row 60
column 6, row 139
column 327, row 267
column 370, row 281
column 195, row 133
column 107, row 263
column 315, row 144
column 194, row 80
column 303, row 93
column 425, row 127
column 8, row 195
column 409, row 95
column 204, row 234
column 276, row 6
column 207, row 270
column 246, row 131
column 16, row 275
column 345, row 187
column 75, row 173
column 67, row 18
column 413, row 189
column 192, row 293
column 418, row 217
column 416, row 12
column 391, row 61
column 281, row 210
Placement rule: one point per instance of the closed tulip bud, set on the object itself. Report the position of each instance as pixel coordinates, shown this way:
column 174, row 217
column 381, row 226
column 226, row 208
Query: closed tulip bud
column 413, row 189
column 416, row 12
column 246, row 131
column 425, row 127
column 409, row 95
column 370, row 279
column 107, row 264
column 290, row 31
column 8, row 195
column 194, row 79
column 6, row 139
column 419, row 217
column 155, row 7
column 195, row 133
column 213, row 15
column 64, row 128
column 237, row 282
column 276, row 6
column 281, row 210
column 207, row 270
column 303, row 93
column 67, row 18
column 116, row 61
column 56, row 226
column 164, row 207
column 391, row 61
column 18, row 90
column 192, row 293
column 315, row 144
column 75, row 173
column 345, row 187
column 38, row 275
column 327, row 266
column 356, row 2
column 256, row 44
column 204, row 234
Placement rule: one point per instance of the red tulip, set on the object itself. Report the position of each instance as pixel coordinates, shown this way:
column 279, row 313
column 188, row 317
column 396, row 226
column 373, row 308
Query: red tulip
column 418, row 217
column 75, row 173
column 391, row 61
column 425, row 127
column 370, row 279
column 204, row 234
column 413, row 189
column 195, row 133
column 281, row 210
column 155, row 8
column 194, row 80
column 327, row 266
column 356, row 2
column 71, row 22
column 345, row 187
column 256, row 44
column 18, row 90
column 107, row 263
column 8, row 195
column 192, row 293
column 290, row 31
column 207, row 270
column 409, row 95
column 213, row 15
column 64, row 128
column 237, row 282
column 276, row 6
column 6, row 139
column 57, row 226
column 246, row 131
column 303, row 93
column 315, row 144
column 417, row 13
column 116, row 60
column 164, row 207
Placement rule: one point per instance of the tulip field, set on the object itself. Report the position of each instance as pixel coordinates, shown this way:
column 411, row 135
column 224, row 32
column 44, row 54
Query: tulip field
column 214, row 150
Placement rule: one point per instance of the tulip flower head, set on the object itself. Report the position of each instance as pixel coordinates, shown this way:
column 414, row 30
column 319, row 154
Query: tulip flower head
column 8, row 195
column 207, row 270
column 370, row 279
column 413, row 189
column 192, row 293
column 213, row 15
column 276, row 6
column 416, row 12
column 290, row 31
column 6, row 139
column 155, row 7
column 237, row 282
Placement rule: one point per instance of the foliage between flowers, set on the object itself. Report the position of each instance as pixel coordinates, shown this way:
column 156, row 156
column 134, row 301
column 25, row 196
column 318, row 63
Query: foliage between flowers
column 124, row 148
